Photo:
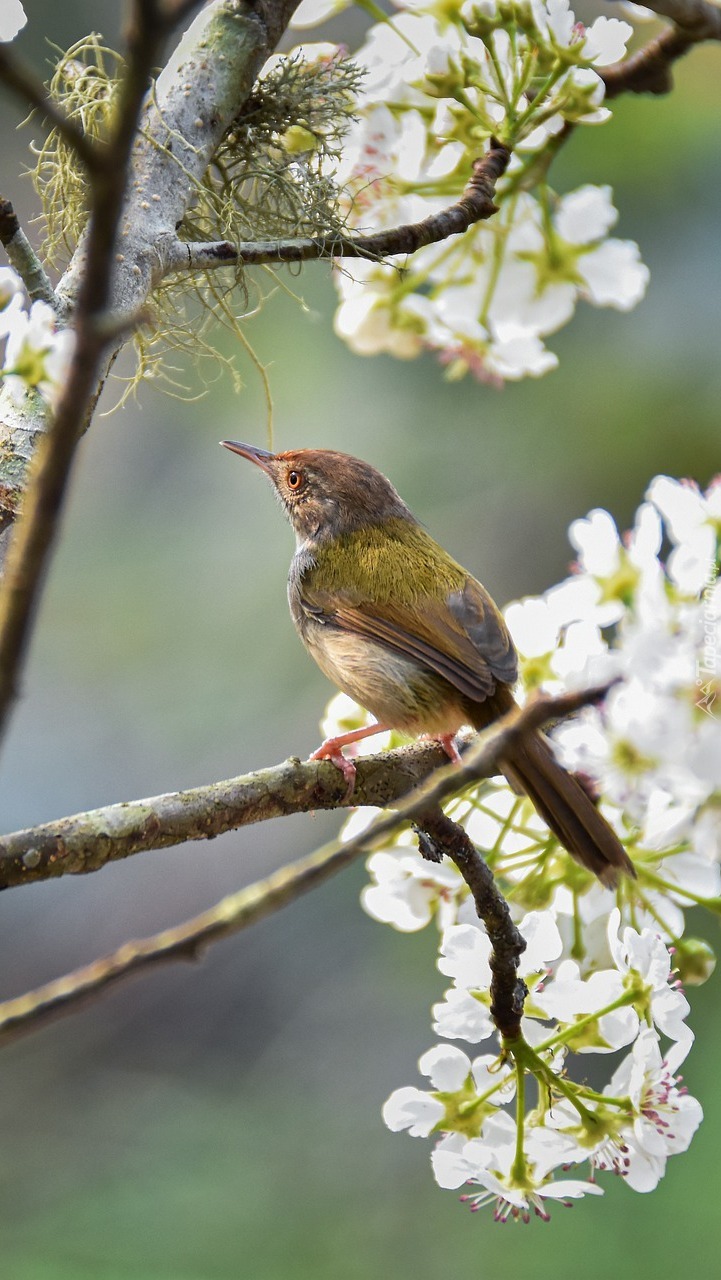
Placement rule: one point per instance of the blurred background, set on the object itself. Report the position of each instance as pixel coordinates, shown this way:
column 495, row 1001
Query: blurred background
column 224, row 1119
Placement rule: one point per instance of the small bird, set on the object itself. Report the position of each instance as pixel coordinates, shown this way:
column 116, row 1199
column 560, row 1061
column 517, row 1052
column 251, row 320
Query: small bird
column 397, row 624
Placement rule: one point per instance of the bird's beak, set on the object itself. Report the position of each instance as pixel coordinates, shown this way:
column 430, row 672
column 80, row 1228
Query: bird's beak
column 260, row 457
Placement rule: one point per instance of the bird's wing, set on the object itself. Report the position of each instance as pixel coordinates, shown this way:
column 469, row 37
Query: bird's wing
column 461, row 636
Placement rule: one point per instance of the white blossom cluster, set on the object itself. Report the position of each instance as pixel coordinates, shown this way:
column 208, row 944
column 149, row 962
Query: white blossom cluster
column 37, row 354
column 603, row 967
column 441, row 79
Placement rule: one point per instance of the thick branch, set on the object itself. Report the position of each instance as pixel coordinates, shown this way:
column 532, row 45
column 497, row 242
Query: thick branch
column 377, row 777
column 475, row 205
column 23, row 257
column 87, row 841
column 272, row 792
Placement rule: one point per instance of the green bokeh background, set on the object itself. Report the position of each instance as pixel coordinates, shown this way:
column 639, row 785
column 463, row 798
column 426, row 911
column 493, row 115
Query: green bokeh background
column 223, row 1120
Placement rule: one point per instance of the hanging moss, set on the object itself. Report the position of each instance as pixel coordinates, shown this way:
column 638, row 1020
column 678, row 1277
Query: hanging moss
column 271, row 177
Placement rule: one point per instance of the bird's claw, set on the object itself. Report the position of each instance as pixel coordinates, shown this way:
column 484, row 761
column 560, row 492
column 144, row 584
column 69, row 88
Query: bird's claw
column 330, row 750
column 447, row 743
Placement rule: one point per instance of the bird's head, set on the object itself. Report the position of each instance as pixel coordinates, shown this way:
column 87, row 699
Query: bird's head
column 323, row 493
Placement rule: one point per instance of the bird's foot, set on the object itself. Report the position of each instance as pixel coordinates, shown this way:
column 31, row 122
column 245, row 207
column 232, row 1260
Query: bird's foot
column 447, row 743
column 331, row 750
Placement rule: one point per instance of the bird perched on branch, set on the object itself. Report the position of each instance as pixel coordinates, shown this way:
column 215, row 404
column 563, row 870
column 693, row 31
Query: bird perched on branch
column 397, row 624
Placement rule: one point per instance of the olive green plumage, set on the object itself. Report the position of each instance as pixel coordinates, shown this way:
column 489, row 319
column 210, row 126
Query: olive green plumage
column 374, row 560
column 399, row 625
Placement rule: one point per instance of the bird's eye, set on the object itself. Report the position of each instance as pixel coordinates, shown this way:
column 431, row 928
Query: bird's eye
column 294, row 480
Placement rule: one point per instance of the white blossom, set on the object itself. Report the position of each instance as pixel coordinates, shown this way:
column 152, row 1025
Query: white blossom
column 408, row 891
column 644, row 956
column 414, row 1110
column 693, row 521
column 485, row 303
column 310, row 13
column 606, row 41
column 585, row 214
column 11, row 288
column 12, row 19
column 36, row 354
column 614, row 275
column 665, row 1117
column 569, row 997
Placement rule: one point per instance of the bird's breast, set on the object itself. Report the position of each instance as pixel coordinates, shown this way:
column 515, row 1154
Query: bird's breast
column 398, row 691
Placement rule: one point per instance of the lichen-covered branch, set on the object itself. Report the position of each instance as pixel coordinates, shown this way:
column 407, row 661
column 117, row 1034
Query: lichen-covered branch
column 381, row 780
column 475, row 205
column 87, row 841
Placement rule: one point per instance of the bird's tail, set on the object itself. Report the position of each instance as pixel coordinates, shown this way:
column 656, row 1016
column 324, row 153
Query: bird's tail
column 562, row 802
column 567, row 809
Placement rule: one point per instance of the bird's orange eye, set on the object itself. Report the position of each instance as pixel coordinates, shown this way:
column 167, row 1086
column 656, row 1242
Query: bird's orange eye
column 294, row 479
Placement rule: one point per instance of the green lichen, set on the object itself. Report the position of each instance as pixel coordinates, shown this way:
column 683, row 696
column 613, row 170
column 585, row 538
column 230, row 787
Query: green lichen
column 272, row 177
column 84, row 83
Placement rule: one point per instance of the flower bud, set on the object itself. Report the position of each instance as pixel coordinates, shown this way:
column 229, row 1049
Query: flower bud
column 694, row 960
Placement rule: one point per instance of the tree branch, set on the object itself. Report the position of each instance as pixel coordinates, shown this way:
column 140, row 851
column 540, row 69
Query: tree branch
column 278, row 790
column 475, row 205
column 23, row 258
column 508, row 991
column 87, row 841
column 185, row 941
column 649, row 69
column 29, row 550
column 179, row 135
column 700, row 17
column 23, row 83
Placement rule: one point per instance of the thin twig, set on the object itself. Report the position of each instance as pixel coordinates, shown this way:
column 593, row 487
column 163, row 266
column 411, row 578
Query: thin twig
column 23, row 257
column 266, row 896
column 25, row 85
column 87, row 841
column 508, row 991
column 475, row 205
column 33, row 538
column 702, row 17
column 183, row 942
column 98, row 276
column 648, row 70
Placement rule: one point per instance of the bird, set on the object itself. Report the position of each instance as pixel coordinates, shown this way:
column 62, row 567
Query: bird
column 395, row 622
